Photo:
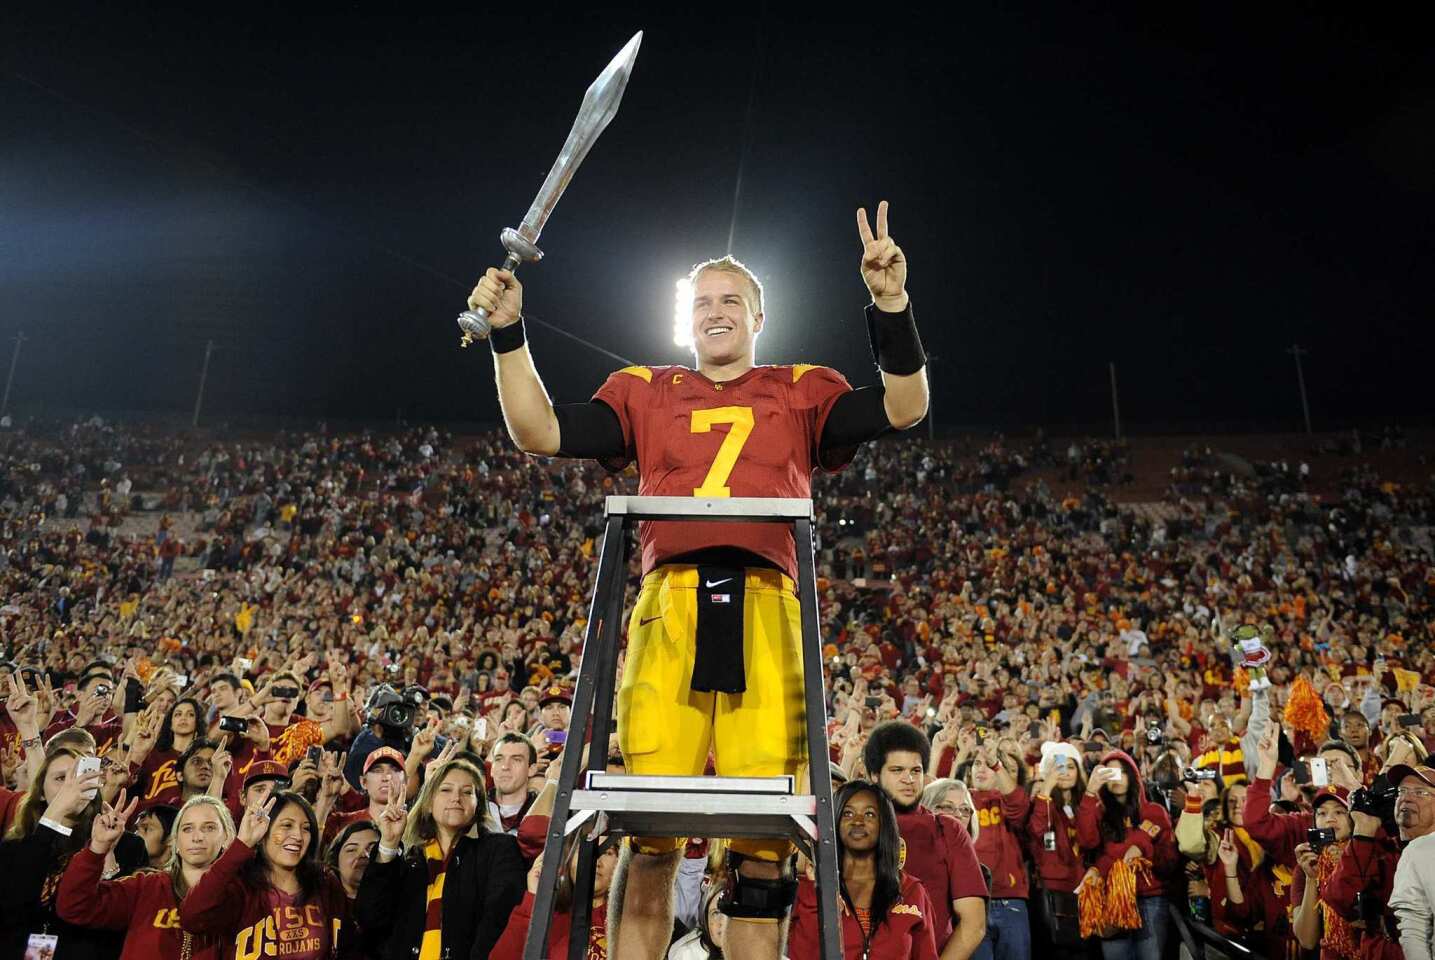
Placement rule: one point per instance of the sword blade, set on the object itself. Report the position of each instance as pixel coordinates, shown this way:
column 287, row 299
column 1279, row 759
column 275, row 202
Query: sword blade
column 600, row 105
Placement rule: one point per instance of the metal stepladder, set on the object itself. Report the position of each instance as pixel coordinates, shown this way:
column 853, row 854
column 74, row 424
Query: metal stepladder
column 620, row 805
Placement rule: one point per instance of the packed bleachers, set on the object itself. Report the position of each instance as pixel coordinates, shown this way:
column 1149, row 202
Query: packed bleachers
column 1015, row 601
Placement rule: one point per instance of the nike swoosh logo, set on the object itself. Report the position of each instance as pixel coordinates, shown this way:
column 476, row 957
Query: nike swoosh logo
column 647, row 620
column 715, row 583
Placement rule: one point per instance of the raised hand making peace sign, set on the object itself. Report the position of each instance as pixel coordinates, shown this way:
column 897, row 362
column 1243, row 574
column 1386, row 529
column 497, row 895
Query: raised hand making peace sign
column 884, row 267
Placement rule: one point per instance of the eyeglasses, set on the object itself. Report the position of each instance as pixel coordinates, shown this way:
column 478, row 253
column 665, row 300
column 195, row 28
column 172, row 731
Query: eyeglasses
column 1417, row 793
column 960, row 811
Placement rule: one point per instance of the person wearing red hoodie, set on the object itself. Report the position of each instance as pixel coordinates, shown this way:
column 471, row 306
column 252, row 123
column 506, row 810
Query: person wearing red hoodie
column 1116, row 822
column 886, row 914
column 1052, row 841
column 146, row 905
column 1002, row 807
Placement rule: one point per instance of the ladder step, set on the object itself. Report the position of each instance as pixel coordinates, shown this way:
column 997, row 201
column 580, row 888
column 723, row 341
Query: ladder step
column 765, row 786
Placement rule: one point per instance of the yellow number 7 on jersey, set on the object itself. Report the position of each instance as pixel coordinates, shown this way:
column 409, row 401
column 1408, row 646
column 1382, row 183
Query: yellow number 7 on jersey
column 715, row 483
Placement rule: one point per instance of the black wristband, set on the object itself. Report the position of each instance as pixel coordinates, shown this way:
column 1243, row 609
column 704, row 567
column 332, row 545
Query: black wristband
column 895, row 344
column 507, row 339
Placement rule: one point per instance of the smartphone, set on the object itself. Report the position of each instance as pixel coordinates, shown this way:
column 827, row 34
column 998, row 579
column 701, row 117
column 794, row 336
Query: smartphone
column 234, row 724
column 1410, row 720
column 181, row 680
column 480, row 728
column 88, row 765
column 873, row 702
column 555, row 738
column 1319, row 772
column 244, row 664
column 1033, row 729
column 314, row 755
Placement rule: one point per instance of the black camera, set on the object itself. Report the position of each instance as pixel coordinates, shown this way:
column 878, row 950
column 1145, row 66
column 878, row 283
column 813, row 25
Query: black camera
column 1375, row 803
column 1192, row 775
column 1154, row 735
column 1320, row 837
column 284, row 693
column 234, row 724
column 394, row 711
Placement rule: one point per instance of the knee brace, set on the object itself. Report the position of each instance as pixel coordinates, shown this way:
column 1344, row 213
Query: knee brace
column 751, row 898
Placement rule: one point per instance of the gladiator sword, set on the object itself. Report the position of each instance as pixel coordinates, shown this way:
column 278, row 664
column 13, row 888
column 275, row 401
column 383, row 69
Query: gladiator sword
column 600, row 105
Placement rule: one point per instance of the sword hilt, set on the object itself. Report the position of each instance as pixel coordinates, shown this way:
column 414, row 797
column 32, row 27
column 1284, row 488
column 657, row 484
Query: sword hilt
column 474, row 323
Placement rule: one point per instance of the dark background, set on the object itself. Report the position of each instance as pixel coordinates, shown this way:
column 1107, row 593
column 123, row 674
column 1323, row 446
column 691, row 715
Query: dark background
column 1185, row 196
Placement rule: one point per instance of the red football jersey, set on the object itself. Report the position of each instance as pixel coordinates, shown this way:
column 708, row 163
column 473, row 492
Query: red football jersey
column 755, row 436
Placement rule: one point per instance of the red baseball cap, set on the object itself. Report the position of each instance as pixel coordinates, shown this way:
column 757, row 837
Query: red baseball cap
column 265, row 770
column 1402, row 770
column 383, row 753
column 1339, row 794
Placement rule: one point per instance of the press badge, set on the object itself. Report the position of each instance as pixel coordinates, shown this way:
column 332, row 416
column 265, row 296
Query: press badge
column 41, row 946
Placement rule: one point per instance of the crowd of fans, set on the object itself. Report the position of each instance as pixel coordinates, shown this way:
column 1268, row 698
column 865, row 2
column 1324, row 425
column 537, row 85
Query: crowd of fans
column 314, row 708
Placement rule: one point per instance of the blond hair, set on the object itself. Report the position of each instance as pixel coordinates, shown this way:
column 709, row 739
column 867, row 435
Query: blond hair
column 730, row 264
column 175, row 866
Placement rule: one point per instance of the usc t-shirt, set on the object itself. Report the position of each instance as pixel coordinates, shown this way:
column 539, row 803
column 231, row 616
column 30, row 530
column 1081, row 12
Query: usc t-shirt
column 756, row 436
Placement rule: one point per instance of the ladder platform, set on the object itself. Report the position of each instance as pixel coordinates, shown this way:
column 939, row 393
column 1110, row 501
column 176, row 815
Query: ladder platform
column 695, row 807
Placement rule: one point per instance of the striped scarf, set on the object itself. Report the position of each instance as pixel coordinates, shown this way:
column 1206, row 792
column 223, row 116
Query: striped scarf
column 1229, row 759
column 431, row 947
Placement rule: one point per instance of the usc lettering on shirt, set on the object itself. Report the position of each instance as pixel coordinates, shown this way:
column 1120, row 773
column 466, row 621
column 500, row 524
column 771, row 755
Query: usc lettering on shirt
column 289, row 931
column 755, row 436
column 167, row 919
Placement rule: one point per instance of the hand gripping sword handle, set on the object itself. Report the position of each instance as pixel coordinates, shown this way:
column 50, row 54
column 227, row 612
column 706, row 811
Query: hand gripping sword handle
column 474, row 323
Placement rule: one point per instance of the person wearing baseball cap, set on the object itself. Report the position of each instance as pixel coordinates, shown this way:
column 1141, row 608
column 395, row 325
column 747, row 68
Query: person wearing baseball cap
column 554, row 708
column 1313, row 926
column 382, row 780
column 264, row 777
column 1413, row 889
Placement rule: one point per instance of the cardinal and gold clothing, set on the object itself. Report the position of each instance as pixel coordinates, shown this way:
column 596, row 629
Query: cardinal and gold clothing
column 755, row 436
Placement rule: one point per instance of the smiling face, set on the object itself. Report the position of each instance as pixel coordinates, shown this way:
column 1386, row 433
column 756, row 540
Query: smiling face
column 859, row 822
column 1236, row 805
column 455, row 802
column 201, row 836
column 724, row 326
column 289, row 837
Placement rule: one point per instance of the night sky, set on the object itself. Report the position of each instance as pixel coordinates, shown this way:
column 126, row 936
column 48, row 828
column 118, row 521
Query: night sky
column 1185, row 197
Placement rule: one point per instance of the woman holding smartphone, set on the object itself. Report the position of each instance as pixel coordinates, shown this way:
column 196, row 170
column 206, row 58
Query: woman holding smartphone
column 53, row 822
column 146, row 906
column 1123, row 831
column 1055, row 848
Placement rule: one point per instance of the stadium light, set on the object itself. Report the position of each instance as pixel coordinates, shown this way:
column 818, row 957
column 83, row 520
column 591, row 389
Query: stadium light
column 683, row 314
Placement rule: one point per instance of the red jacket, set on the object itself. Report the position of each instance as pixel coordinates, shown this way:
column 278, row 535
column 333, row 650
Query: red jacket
column 1367, row 863
column 510, row 944
column 142, row 905
column 1279, row 833
column 1060, row 869
column 1002, row 824
column 1160, row 849
column 905, row 934
column 252, row 922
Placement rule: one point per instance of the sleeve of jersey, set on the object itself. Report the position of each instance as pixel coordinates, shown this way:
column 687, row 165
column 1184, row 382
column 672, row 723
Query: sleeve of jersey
column 817, row 391
column 621, row 393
